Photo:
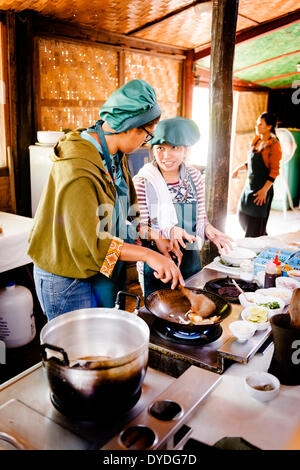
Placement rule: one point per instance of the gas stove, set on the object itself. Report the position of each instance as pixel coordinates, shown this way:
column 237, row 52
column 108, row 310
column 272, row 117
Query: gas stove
column 28, row 419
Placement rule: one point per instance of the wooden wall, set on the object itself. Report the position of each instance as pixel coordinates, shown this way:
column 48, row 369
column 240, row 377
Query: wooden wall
column 247, row 107
column 34, row 86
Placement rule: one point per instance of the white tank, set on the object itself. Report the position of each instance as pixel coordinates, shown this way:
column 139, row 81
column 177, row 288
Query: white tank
column 17, row 324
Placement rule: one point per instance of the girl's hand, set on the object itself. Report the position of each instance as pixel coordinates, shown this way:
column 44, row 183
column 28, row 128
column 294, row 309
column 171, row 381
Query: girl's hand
column 164, row 268
column 179, row 234
column 166, row 247
column 220, row 239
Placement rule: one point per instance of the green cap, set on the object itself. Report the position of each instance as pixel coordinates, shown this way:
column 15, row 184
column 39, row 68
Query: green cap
column 176, row 131
column 132, row 105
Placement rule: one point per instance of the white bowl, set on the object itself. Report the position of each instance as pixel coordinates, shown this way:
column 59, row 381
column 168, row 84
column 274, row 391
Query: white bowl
column 294, row 273
column 256, row 379
column 242, row 330
column 254, row 244
column 287, row 282
column 263, row 299
column 248, row 301
column 237, row 256
column 49, row 137
column 279, row 292
column 259, row 326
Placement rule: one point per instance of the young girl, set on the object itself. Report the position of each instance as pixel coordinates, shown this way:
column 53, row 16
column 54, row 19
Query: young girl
column 171, row 200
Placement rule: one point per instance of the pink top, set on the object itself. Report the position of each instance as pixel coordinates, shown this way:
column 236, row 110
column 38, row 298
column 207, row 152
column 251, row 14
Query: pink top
column 198, row 181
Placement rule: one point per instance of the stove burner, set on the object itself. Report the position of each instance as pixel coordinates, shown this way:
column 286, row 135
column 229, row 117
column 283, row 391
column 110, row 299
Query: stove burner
column 92, row 414
column 186, row 337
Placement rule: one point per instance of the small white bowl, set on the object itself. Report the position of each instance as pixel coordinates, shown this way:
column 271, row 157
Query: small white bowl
column 49, row 137
column 236, row 256
column 242, row 330
column 263, row 299
column 294, row 274
column 247, row 312
column 248, row 301
column 279, row 292
column 287, row 282
column 259, row 379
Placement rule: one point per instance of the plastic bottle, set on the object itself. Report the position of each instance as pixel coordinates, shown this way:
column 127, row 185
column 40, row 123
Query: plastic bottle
column 270, row 274
column 278, row 265
column 17, row 324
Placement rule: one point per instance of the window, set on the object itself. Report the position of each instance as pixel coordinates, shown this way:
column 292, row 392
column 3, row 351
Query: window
column 3, row 98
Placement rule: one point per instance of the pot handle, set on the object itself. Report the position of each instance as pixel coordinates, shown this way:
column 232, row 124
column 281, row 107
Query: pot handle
column 64, row 362
column 138, row 300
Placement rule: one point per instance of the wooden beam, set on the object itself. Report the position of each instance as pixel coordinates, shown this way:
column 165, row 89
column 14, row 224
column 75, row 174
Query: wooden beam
column 276, row 77
column 44, row 26
column 257, row 31
column 165, row 17
column 224, row 18
column 25, row 105
column 267, row 60
column 188, row 85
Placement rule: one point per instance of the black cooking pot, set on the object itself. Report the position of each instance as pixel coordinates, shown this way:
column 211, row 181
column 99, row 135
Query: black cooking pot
column 95, row 360
column 170, row 306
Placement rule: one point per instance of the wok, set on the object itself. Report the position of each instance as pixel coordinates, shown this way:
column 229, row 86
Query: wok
column 171, row 305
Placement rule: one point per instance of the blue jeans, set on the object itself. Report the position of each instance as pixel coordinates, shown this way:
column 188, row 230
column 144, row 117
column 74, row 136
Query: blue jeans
column 58, row 294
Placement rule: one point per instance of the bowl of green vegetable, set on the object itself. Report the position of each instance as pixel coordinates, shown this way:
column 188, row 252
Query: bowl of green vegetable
column 273, row 304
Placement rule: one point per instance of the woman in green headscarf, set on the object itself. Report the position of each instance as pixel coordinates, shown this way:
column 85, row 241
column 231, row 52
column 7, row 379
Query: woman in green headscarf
column 171, row 200
column 87, row 220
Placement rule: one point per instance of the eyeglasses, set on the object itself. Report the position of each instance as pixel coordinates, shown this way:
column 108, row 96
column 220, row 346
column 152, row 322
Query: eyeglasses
column 148, row 136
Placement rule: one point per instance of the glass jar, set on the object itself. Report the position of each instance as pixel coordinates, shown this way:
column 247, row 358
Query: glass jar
column 247, row 270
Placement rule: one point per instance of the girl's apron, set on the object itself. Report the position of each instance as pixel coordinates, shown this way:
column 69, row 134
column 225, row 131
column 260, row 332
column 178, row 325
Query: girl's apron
column 106, row 289
column 191, row 263
column 257, row 176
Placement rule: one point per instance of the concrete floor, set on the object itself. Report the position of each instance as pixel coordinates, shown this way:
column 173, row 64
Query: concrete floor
column 278, row 223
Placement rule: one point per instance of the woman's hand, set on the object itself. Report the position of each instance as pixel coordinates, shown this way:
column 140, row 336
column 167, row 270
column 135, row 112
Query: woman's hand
column 166, row 247
column 179, row 234
column 164, row 268
column 220, row 239
column 261, row 197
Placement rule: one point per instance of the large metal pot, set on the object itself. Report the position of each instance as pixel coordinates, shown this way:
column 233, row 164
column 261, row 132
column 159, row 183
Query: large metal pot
column 95, row 360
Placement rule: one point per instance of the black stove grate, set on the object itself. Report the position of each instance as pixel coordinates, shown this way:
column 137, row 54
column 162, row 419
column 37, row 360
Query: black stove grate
column 184, row 337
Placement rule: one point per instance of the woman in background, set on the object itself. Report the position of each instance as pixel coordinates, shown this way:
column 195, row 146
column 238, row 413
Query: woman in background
column 171, row 201
column 263, row 167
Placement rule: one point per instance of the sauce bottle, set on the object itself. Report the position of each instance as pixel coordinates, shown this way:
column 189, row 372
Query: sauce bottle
column 278, row 265
column 270, row 274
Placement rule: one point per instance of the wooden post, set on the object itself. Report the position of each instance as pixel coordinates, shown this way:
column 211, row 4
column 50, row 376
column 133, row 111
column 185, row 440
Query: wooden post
column 25, row 135
column 188, row 85
column 224, row 19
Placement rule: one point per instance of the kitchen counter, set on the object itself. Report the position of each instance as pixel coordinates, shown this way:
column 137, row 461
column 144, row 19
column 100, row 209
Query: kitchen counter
column 229, row 411
column 13, row 241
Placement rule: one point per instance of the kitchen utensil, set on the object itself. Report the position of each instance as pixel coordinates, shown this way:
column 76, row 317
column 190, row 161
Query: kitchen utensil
column 170, row 306
column 200, row 304
column 95, row 360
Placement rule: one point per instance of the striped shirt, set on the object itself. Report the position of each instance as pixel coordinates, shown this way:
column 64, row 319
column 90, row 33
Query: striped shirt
column 198, row 181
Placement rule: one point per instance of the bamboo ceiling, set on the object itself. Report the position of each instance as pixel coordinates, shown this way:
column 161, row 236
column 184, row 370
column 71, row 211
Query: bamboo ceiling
column 182, row 23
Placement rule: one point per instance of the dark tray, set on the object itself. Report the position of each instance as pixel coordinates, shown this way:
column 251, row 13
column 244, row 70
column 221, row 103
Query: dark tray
column 216, row 286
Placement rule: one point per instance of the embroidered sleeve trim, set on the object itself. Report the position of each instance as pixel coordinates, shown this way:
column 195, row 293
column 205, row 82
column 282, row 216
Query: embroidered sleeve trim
column 111, row 257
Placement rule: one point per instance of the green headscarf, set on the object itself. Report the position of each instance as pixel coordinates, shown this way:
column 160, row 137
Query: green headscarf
column 132, row 105
column 176, row 131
